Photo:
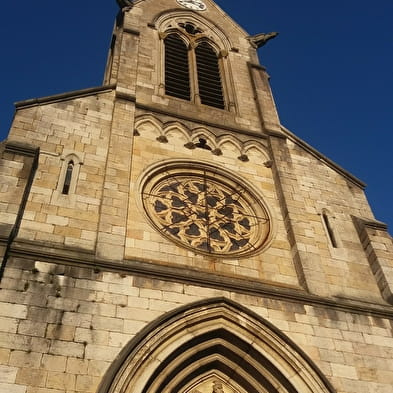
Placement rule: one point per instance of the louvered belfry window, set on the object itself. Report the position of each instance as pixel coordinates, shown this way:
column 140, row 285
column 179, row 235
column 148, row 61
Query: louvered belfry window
column 177, row 74
column 209, row 79
column 181, row 63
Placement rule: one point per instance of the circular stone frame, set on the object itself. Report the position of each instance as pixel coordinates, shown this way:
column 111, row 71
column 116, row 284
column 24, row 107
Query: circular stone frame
column 205, row 209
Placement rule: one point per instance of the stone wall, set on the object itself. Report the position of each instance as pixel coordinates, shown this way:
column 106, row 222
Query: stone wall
column 62, row 326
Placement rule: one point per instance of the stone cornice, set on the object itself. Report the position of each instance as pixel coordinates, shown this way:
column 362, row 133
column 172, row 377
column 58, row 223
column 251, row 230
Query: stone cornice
column 176, row 115
column 23, row 149
column 86, row 259
column 64, row 96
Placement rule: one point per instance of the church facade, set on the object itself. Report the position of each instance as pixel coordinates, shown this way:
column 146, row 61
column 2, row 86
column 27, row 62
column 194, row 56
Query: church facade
column 164, row 233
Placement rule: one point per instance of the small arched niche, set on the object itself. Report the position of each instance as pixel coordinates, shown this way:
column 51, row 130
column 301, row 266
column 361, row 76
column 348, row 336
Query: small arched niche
column 213, row 346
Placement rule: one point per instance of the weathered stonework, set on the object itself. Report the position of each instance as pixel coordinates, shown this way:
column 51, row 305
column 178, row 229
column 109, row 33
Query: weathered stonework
column 96, row 297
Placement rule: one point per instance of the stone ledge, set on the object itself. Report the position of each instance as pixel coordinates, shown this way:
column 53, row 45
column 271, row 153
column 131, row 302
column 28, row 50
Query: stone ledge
column 85, row 259
column 375, row 224
column 64, row 96
column 23, row 149
column 176, row 115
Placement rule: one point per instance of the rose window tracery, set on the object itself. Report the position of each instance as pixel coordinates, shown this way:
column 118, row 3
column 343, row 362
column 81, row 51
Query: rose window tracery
column 205, row 211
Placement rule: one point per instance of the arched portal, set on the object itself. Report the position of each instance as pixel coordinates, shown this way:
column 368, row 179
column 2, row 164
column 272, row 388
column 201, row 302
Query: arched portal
column 213, row 346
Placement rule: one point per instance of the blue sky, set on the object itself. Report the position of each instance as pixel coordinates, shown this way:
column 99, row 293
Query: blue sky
column 331, row 70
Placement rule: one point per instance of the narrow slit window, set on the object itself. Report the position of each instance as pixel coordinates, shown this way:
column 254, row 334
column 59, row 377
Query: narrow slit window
column 177, row 76
column 329, row 230
column 68, row 178
column 209, row 78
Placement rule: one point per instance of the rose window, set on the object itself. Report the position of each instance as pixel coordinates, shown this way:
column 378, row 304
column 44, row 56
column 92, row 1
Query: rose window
column 206, row 211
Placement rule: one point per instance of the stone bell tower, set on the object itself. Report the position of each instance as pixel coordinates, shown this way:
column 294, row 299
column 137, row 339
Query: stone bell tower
column 165, row 233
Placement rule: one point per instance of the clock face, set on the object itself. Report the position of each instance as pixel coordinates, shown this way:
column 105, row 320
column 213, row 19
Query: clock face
column 197, row 5
column 206, row 212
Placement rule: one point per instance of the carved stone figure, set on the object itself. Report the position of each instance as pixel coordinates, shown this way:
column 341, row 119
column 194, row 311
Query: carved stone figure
column 260, row 39
column 217, row 387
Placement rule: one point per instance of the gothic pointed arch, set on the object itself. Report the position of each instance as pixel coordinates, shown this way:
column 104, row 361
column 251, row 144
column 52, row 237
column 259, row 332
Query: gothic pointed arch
column 213, row 346
column 209, row 75
column 177, row 73
column 195, row 64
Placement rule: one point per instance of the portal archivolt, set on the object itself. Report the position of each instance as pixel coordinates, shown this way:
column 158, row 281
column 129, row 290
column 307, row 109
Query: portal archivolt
column 213, row 346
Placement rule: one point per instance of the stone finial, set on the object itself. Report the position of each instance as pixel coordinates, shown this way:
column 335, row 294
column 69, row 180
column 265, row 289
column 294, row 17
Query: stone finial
column 260, row 39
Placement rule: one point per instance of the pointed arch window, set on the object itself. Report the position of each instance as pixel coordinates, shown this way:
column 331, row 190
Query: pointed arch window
column 193, row 72
column 177, row 74
column 68, row 178
column 209, row 78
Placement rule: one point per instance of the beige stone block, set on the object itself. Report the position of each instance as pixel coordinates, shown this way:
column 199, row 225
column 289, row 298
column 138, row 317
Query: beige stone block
column 60, row 332
column 54, row 363
column 205, row 292
column 92, row 285
column 37, row 226
column 76, row 319
column 100, row 352
column 321, row 342
column 8, row 325
column 8, row 374
column 106, row 310
column 61, row 381
column 133, row 327
column 123, row 290
column 343, row 346
column 343, row 371
column 62, row 303
column 57, row 220
column 67, row 231
column 378, row 340
column 327, row 332
column 13, row 310
column 25, row 359
column 109, row 251
column 31, row 377
column 161, row 305
column 77, row 366
column 353, row 337
column 151, row 293
column 97, row 367
column 174, row 297
column 32, row 328
column 111, row 299
column 106, row 323
column 12, row 388
column 118, row 339
column 92, row 336
column 67, row 348
column 88, row 235
column 367, row 374
column 331, row 356
column 4, row 356
column 301, row 328
column 87, row 383
column 137, row 314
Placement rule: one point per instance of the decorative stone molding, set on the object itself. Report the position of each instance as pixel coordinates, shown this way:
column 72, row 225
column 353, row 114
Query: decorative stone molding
column 255, row 150
column 212, row 346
